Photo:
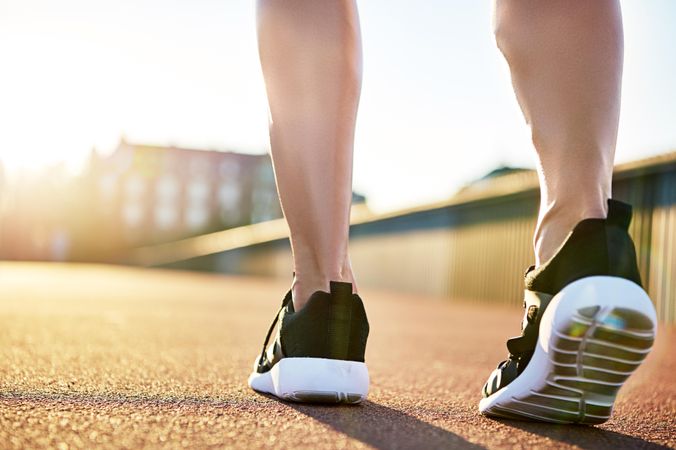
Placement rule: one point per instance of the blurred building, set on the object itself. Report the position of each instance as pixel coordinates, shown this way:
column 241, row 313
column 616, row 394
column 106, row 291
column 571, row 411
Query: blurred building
column 35, row 214
column 139, row 195
column 154, row 194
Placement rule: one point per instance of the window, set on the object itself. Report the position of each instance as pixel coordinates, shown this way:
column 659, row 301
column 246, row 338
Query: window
column 196, row 217
column 107, row 186
column 198, row 192
column 229, row 195
column 166, row 216
column 134, row 187
column 132, row 213
column 166, row 189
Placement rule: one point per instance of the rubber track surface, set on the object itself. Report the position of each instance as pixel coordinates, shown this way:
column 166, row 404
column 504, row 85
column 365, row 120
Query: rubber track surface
column 112, row 357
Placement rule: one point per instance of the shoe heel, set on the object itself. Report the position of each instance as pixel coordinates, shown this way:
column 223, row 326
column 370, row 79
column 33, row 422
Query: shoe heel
column 319, row 380
column 597, row 334
column 594, row 334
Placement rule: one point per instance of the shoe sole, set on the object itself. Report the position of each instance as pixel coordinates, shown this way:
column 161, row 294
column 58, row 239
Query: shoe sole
column 314, row 380
column 595, row 333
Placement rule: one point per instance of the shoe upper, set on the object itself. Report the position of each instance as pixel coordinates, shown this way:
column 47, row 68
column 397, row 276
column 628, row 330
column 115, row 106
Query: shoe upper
column 595, row 247
column 331, row 325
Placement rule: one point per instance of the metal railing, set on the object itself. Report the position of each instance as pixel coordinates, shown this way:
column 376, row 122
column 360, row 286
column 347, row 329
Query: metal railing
column 474, row 246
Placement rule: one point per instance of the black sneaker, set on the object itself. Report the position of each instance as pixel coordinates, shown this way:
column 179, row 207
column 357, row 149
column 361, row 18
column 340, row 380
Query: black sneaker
column 587, row 327
column 318, row 353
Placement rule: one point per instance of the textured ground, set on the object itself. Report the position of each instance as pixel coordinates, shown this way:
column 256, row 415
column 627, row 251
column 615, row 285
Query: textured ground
column 96, row 356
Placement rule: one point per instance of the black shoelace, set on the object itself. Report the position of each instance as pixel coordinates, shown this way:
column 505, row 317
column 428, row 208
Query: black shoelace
column 287, row 299
column 521, row 346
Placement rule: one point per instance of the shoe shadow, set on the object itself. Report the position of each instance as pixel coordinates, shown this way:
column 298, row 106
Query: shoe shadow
column 582, row 436
column 373, row 424
column 382, row 427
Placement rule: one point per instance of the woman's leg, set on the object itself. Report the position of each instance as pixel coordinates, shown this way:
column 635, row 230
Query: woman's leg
column 310, row 52
column 565, row 58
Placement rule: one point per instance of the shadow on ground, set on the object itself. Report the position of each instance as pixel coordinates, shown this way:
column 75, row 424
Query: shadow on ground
column 386, row 428
column 383, row 427
column 583, row 436
column 371, row 423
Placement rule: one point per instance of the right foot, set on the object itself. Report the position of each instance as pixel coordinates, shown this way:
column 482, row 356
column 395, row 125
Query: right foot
column 318, row 352
column 588, row 325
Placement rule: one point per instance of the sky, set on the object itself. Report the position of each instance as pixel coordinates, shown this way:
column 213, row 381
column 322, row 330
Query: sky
column 437, row 108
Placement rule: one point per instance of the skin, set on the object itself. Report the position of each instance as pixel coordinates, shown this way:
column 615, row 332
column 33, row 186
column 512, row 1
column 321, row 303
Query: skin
column 310, row 51
column 565, row 58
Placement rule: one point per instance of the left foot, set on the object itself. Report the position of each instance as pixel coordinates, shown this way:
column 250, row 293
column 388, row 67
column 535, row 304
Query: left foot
column 318, row 352
column 588, row 325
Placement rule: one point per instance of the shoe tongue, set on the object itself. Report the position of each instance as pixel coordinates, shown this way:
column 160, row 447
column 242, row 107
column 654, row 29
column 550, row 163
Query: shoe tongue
column 619, row 214
column 519, row 345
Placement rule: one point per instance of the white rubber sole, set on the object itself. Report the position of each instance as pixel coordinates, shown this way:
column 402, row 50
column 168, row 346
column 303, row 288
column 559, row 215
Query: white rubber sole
column 314, row 380
column 594, row 334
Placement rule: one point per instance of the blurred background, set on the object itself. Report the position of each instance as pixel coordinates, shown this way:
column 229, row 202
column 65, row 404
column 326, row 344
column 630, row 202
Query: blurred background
column 135, row 132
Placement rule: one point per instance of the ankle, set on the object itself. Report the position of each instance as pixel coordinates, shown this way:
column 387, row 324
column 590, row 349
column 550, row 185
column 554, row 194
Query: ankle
column 556, row 222
column 304, row 285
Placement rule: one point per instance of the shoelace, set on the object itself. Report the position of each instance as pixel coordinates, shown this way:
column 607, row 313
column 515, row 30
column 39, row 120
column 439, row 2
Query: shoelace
column 287, row 299
column 518, row 346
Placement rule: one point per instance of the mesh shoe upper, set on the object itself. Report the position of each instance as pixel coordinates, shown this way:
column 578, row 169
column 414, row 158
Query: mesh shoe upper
column 331, row 325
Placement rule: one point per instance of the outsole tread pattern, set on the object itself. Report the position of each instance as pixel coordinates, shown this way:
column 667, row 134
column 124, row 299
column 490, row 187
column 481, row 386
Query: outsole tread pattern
column 591, row 357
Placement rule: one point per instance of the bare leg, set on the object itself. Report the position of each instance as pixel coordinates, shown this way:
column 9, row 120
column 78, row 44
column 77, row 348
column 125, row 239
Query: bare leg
column 565, row 58
column 310, row 51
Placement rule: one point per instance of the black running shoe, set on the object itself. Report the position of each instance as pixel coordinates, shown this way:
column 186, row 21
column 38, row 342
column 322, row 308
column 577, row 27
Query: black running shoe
column 318, row 353
column 587, row 327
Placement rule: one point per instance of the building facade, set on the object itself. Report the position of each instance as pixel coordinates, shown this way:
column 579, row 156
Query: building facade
column 150, row 194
